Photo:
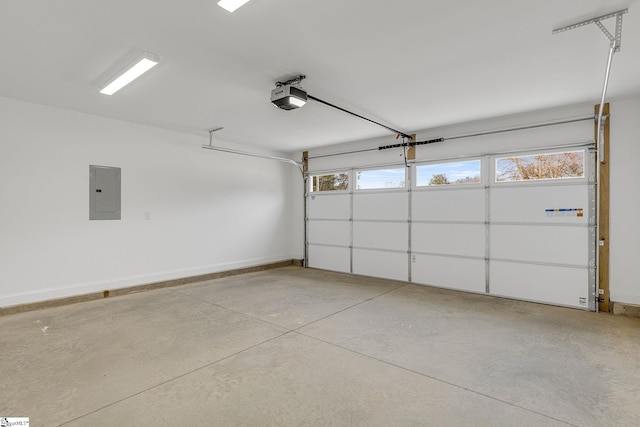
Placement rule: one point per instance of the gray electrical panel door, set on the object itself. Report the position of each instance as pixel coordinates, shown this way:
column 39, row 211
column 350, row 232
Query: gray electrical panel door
column 104, row 192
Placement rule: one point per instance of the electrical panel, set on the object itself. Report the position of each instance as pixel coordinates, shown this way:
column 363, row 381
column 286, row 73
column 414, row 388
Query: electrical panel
column 104, row 192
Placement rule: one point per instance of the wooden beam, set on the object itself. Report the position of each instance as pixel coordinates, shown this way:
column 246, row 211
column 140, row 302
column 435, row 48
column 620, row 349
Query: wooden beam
column 305, row 161
column 305, row 187
column 603, row 209
column 411, row 151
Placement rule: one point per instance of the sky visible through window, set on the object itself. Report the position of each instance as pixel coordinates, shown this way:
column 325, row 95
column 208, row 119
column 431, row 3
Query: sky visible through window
column 518, row 168
column 380, row 178
column 467, row 172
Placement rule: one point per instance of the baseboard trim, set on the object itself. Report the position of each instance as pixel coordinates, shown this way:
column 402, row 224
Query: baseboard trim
column 631, row 310
column 108, row 293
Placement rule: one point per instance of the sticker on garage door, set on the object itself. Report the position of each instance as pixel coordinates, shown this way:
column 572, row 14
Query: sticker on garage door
column 571, row 212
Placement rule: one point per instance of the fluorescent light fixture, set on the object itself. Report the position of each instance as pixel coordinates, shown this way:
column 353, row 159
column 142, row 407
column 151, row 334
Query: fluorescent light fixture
column 231, row 5
column 140, row 66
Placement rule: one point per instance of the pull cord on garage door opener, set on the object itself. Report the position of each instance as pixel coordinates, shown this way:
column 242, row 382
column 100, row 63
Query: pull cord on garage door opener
column 615, row 43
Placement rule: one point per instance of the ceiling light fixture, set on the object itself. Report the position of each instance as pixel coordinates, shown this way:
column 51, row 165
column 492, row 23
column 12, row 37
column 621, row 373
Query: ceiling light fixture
column 231, row 5
column 138, row 67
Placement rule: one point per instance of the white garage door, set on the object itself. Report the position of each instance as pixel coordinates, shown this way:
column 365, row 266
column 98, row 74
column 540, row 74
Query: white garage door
column 518, row 225
column 448, row 233
column 542, row 242
column 329, row 231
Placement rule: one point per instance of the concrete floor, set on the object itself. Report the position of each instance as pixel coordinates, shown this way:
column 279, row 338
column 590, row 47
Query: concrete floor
column 302, row 347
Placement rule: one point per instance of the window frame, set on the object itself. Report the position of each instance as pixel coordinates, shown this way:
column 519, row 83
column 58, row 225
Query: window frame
column 389, row 167
column 483, row 173
column 531, row 153
column 311, row 175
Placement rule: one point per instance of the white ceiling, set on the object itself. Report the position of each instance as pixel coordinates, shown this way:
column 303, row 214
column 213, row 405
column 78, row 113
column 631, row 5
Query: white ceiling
column 410, row 64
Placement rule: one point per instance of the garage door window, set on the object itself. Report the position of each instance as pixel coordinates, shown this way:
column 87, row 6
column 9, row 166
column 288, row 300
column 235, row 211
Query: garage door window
column 467, row 172
column 330, row 182
column 373, row 179
column 541, row 166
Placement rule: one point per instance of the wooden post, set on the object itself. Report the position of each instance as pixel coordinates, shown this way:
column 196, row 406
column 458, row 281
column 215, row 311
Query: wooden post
column 603, row 209
column 411, row 151
column 305, row 169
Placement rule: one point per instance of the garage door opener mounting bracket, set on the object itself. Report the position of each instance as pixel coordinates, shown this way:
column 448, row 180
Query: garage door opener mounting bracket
column 615, row 43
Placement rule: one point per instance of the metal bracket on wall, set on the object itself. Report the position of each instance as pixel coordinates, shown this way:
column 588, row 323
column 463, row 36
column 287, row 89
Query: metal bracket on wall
column 598, row 21
column 614, row 46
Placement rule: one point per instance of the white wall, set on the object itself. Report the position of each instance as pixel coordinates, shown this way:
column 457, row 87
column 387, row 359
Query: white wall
column 210, row 211
column 625, row 201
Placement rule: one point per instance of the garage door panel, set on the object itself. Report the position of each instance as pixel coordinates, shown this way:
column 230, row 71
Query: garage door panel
column 381, row 235
column 450, row 239
column 449, row 205
column 551, row 244
column 520, row 238
column 454, row 273
column 329, row 232
column 334, row 206
column 530, row 204
column 381, row 206
column 555, row 285
column 388, row 265
column 330, row 258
